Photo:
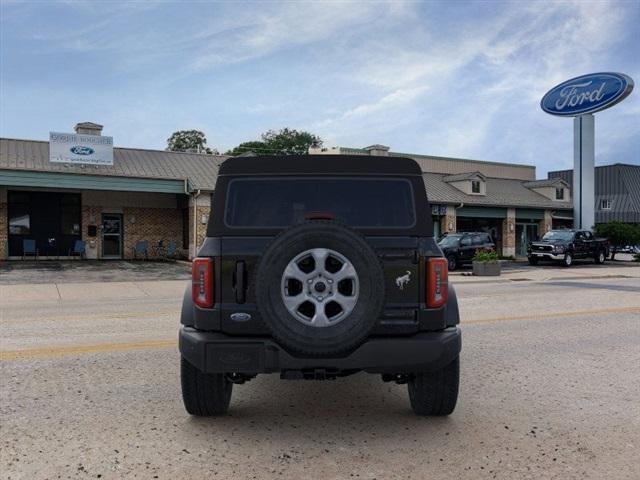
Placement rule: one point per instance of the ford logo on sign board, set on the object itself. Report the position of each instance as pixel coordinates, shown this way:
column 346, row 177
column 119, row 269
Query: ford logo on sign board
column 587, row 94
column 79, row 150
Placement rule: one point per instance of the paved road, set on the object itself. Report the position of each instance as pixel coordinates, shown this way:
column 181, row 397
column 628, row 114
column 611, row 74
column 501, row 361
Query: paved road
column 550, row 388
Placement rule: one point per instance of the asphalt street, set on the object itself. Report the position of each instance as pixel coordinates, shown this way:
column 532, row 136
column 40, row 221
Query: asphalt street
column 550, row 387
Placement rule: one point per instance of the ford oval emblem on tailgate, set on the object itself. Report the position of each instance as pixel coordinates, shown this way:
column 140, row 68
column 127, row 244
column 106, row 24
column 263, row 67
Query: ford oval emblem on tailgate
column 240, row 317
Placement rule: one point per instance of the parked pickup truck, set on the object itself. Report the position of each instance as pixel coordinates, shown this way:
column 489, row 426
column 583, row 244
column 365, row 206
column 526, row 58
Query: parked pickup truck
column 565, row 246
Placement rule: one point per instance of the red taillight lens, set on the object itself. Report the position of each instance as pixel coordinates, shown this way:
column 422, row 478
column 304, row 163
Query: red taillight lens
column 437, row 282
column 202, row 282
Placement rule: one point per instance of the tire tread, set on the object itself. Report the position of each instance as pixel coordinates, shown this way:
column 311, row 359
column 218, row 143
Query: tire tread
column 204, row 394
column 435, row 393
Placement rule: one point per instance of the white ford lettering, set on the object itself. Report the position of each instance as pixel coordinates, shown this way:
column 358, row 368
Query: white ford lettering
column 569, row 95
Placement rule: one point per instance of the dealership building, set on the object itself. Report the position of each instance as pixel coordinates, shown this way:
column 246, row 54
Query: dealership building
column 130, row 195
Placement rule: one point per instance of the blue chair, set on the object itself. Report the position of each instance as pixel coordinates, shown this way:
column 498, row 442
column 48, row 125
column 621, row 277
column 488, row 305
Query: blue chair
column 142, row 249
column 172, row 248
column 79, row 248
column 29, row 248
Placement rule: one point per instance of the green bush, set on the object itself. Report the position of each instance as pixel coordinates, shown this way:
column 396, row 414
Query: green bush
column 619, row 234
column 483, row 256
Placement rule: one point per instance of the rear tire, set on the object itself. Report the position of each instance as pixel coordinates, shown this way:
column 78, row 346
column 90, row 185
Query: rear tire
column 435, row 393
column 204, row 394
column 600, row 257
column 568, row 260
column 452, row 263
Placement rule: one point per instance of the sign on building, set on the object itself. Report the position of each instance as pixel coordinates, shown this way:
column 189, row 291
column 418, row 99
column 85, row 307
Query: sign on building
column 80, row 149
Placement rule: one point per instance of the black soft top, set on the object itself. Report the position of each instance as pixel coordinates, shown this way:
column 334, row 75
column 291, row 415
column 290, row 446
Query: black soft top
column 320, row 164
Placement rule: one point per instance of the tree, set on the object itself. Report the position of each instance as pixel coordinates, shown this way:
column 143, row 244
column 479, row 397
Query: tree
column 283, row 142
column 619, row 234
column 256, row 146
column 188, row 141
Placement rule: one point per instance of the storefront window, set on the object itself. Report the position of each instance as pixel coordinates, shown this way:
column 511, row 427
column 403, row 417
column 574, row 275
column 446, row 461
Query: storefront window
column 19, row 217
column 19, row 220
column 70, row 214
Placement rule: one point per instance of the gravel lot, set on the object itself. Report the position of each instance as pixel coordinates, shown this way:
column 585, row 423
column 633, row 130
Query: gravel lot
column 550, row 387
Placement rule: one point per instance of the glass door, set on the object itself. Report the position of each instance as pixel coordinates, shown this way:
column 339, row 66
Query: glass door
column 112, row 235
column 525, row 233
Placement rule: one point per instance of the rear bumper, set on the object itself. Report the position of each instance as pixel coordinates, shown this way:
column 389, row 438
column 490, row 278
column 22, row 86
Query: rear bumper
column 219, row 353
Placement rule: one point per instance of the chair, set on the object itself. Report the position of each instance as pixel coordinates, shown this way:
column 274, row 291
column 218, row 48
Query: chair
column 141, row 248
column 79, row 248
column 160, row 249
column 29, row 248
column 172, row 248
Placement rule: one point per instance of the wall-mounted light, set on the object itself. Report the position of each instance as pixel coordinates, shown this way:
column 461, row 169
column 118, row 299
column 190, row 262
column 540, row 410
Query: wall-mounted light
column 204, row 219
column 511, row 227
column 132, row 219
column 450, row 224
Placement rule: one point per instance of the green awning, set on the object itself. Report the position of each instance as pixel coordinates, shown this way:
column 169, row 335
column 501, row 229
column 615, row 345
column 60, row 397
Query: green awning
column 530, row 213
column 29, row 178
column 482, row 212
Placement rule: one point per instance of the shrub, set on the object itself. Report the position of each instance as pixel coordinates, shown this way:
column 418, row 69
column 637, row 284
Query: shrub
column 483, row 256
column 619, row 234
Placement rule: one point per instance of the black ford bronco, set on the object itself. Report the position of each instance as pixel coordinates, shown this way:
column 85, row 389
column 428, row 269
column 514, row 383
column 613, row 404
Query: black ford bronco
column 319, row 267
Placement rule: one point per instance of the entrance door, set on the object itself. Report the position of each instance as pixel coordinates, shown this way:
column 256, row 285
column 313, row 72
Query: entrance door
column 111, row 235
column 525, row 233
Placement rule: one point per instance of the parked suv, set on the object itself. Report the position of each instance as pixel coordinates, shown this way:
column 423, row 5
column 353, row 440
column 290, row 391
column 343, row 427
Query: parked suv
column 317, row 267
column 459, row 248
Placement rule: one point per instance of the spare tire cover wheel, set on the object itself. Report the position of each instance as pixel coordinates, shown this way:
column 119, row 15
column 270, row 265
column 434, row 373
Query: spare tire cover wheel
column 320, row 288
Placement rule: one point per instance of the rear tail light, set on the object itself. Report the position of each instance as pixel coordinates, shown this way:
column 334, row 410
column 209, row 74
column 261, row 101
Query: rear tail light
column 437, row 282
column 202, row 282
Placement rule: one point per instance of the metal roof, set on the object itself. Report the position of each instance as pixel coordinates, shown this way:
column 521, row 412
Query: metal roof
column 199, row 169
column 620, row 184
column 463, row 176
column 547, row 182
column 500, row 192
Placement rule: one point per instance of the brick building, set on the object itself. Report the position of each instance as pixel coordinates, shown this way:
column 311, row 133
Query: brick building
column 156, row 195
column 145, row 195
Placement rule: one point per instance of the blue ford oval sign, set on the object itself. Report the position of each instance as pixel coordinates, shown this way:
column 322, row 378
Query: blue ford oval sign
column 587, row 94
column 80, row 150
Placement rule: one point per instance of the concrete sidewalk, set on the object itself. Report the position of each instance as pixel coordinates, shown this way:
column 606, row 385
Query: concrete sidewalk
column 94, row 292
column 541, row 273
column 89, row 271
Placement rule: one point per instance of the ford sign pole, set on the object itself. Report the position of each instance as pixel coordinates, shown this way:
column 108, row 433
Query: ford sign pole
column 580, row 97
column 583, row 171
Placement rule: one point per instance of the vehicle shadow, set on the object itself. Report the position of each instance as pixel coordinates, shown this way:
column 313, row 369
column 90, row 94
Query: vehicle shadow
column 355, row 408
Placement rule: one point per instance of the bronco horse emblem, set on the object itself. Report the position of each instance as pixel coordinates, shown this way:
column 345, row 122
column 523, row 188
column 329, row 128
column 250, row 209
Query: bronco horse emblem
column 403, row 280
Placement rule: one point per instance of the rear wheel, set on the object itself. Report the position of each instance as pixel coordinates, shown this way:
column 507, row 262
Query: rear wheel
column 204, row 394
column 600, row 257
column 452, row 263
column 435, row 393
column 567, row 261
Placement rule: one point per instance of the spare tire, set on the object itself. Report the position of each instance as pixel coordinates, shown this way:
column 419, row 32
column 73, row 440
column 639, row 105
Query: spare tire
column 320, row 288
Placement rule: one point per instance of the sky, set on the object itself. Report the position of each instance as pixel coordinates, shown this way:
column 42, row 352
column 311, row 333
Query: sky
column 451, row 78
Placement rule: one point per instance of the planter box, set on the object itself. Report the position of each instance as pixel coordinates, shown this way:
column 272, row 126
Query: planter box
column 486, row 269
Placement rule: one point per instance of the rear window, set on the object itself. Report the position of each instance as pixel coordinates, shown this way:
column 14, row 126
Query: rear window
column 358, row 202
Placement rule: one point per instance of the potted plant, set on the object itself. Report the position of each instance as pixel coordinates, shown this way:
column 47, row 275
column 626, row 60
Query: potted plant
column 486, row 264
